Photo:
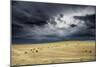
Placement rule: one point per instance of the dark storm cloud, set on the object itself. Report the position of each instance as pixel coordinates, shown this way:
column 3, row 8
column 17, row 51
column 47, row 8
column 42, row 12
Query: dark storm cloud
column 90, row 22
column 29, row 22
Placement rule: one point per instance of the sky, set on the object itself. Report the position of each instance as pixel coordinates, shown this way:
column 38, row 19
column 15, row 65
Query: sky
column 38, row 22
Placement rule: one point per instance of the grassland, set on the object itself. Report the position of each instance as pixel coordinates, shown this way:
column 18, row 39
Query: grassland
column 57, row 52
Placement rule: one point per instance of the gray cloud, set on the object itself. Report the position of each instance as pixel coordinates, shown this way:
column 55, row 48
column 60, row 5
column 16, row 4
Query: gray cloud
column 30, row 20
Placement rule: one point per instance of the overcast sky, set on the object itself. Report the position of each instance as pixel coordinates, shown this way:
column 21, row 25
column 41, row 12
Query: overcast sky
column 29, row 22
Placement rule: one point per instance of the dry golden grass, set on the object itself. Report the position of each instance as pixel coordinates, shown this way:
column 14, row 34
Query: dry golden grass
column 57, row 52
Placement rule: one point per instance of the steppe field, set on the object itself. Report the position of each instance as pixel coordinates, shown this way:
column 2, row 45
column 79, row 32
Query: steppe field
column 56, row 52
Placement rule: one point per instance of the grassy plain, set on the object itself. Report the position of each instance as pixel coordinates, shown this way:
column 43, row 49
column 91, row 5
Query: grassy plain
column 56, row 52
